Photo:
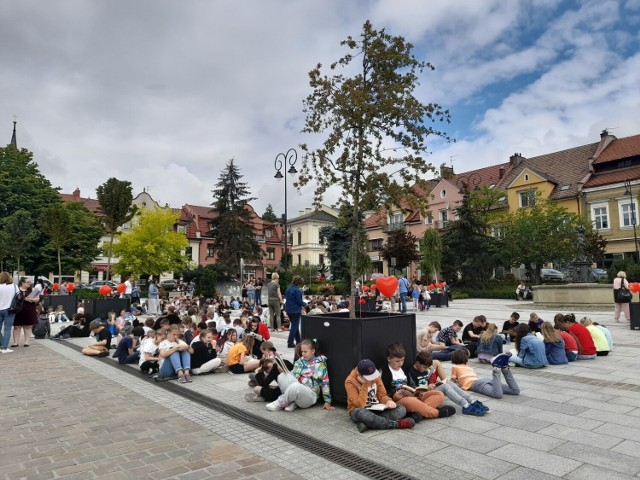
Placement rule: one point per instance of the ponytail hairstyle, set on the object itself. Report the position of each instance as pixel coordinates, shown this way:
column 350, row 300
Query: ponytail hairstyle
column 489, row 333
column 549, row 334
column 522, row 330
column 313, row 344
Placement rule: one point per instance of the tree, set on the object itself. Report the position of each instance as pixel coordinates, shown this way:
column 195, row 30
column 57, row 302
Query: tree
column 431, row 252
column 373, row 123
column 233, row 231
column 467, row 248
column 77, row 244
column 19, row 232
column 269, row 215
column 540, row 234
column 115, row 197
column 152, row 246
column 338, row 241
column 401, row 245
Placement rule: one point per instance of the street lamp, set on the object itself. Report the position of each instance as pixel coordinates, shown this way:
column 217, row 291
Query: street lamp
column 282, row 160
column 627, row 191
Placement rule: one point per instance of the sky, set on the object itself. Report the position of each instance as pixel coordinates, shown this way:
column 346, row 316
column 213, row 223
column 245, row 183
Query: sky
column 164, row 93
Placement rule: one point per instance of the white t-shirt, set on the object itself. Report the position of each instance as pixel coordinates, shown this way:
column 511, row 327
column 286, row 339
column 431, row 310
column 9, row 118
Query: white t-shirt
column 7, row 292
column 166, row 345
column 398, row 378
column 147, row 346
column 128, row 289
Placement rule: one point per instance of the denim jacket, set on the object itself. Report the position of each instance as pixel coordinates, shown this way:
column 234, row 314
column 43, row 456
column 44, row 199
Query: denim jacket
column 532, row 351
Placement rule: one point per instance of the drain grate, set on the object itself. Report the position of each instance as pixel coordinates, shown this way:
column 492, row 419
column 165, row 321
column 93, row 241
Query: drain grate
column 311, row 444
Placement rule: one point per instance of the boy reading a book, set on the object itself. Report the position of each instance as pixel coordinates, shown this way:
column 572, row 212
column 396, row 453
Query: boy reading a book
column 368, row 404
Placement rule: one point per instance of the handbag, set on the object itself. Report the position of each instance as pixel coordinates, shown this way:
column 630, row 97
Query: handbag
column 16, row 303
column 624, row 295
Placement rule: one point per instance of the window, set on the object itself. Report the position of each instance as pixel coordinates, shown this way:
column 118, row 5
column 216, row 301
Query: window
column 188, row 251
column 498, row 231
column 527, row 198
column 443, row 193
column 526, row 177
column 321, row 259
column 375, row 245
column 321, row 239
column 600, row 217
column 271, row 253
column 268, row 233
column 210, row 250
column 182, row 228
column 628, row 215
column 444, row 216
column 299, row 238
column 428, row 219
column 396, row 221
column 299, row 259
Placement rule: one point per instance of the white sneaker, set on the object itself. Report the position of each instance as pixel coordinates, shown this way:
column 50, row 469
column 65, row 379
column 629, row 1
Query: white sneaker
column 274, row 406
column 6, row 350
column 291, row 407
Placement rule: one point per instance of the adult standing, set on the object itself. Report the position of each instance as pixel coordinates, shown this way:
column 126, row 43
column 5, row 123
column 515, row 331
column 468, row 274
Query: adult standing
column 403, row 290
column 7, row 291
column 63, row 288
column 251, row 292
column 27, row 317
column 621, row 301
column 293, row 306
column 274, row 301
column 154, row 298
column 259, row 292
column 128, row 287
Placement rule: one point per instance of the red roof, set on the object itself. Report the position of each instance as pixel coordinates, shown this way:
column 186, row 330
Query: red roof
column 620, row 148
column 482, row 177
column 610, row 177
column 91, row 204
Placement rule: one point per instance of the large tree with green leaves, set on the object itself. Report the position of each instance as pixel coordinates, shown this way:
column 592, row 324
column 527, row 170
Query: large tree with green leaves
column 115, row 197
column 431, row 253
column 232, row 228
column 269, row 215
column 19, row 232
column 401, row 245
column 373, row 124
column 338, row 242
column 73, row 234
column 152, row 246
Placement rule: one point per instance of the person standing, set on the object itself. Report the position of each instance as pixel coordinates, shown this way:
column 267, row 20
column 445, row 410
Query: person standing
column 7, row 291
column 403, row 290
column 154, row 299
column 293, row 306
column 274, row 301
column 620, row 287
column 258, row 293
column 27, row 317
column 128, row 287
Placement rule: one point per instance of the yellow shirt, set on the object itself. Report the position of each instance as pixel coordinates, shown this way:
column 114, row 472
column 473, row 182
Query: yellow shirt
column 464, row 376
column 599, row 339
column 235, row 352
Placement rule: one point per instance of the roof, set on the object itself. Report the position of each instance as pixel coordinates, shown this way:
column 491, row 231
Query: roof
column 619, row 149
column 91, row 204
column 567, row 169
column 319, row 215
column 482, row 177
column 379, row 218
column 611, row 177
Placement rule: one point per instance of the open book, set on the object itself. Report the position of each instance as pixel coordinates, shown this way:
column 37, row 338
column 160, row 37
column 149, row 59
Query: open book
column 377, row 407
column 417, row 391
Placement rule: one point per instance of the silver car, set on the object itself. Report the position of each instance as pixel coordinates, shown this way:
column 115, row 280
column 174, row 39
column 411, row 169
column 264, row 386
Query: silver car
column 549, row 274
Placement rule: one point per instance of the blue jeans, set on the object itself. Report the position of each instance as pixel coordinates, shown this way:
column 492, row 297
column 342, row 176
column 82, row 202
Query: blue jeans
column 518, row 361
column 294, row 332
column 403, row 302
column 174, row 362
column 6, row 319
column 378, row 420
column 571, row 356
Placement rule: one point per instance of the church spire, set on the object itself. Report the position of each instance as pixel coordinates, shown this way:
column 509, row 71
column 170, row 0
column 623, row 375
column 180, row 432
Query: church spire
column 14, row 142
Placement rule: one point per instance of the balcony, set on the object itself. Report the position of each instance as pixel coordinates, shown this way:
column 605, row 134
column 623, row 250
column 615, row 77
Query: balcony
column 393, row 226
column 440, row 224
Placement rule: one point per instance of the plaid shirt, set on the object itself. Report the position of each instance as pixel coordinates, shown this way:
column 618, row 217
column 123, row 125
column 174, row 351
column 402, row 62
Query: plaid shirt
column 446, row 335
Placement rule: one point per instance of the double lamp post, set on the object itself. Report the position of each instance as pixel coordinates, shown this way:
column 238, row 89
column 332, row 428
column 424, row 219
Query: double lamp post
column 282, row 160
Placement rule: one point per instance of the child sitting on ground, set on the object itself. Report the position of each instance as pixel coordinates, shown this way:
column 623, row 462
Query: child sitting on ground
column 364, row 391
column 204, row 358
column 429, row 372
column 101, row 347
column 490, row 344
column 126, row 352
column 149, row 355
column 261, row 380
column 394, row 377
column 239, row 359
column 467, row 379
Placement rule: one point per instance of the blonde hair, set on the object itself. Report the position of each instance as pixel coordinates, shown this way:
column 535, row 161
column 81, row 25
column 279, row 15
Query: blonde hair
column 275, row 276
column 489, row 333
column 621, row 274
column 586, row 321
column 5, row 278
column 549, row 334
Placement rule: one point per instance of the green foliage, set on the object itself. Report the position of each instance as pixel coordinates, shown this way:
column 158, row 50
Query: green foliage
column 73, row 233
column 232, row 230
column 431, row 252
column 372, row 124
column 338, row 241
column 152, row 246
column 269, row 215
column 401, row 245
column 309, row 273
column 19, row 233
column 206, row 278
column 541, row 234
column 115, row 197
column 627, row 265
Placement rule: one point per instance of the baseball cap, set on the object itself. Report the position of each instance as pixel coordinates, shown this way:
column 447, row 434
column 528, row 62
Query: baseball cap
column 368, row 370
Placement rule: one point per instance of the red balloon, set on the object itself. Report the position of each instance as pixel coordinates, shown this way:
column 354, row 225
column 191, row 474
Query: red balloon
column 362, row 301
column 365, row 288
column 431, row 286
column 104, row 290
column 56, row 287
column 387, row 285
column 71, row 287
column 121, row 288
column 634, row 287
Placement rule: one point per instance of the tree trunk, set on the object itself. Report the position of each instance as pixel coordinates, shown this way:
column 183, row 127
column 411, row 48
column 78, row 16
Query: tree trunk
column 109, row 257
column 59, row 267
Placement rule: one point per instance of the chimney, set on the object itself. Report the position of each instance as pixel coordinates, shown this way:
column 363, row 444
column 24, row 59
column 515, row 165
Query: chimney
column 605, row 139
column 307, row 210
column 300, row 213
column 516, row 159
column 500, row 173
column 76, row 193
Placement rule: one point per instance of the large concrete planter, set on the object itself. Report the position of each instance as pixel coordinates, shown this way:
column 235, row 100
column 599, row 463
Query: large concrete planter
column 68, row 302
column 101, row 307
column 346, row 341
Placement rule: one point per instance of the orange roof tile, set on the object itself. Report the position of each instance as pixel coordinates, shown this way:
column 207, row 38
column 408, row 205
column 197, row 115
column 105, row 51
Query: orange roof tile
column 609, row 177
column 620, row 148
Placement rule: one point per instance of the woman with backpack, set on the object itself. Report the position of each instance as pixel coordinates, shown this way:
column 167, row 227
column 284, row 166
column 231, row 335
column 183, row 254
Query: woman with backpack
column 621, row 297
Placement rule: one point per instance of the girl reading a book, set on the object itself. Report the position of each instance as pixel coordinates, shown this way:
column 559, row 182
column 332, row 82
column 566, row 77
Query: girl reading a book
column 490, row 344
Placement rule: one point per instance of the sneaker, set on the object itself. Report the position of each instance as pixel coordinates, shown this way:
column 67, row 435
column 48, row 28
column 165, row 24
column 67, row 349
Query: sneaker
column 501, row 360
column 406, row 423
column 65, row 336
column 446, row 411
column 253, row 397
column 415, row 416
column 473, row 409
column 103, row 354
column 480, row 406
column 361, row 427
column 188, row 378
column 252, row 383
column 275, row 406
column 291, row 407
column 182, row 379
column 6, row 350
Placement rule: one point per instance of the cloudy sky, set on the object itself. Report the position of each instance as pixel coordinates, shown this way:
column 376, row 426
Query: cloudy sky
column 163, row 93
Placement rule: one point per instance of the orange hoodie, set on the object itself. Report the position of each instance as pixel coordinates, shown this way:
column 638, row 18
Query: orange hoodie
column 357, row 392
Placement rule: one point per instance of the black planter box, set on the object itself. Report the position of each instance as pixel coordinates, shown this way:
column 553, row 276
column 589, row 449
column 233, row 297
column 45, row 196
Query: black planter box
column 634, row 310
column 439, row 300
column 68, row 302
column 346, row 341
column 101, row 307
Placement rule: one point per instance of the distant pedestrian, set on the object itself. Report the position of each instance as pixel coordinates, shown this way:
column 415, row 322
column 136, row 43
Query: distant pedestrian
column 621, row 297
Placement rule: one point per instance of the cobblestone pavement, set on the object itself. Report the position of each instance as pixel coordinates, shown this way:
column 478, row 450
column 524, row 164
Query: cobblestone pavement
column 65, row 411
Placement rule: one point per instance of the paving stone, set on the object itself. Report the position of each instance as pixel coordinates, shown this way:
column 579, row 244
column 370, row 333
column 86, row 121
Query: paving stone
column 581, row 436
column 477, row 464
column 542, row 461
column 537, row 441
column 590, row 472
column 567, row 420
column 628, row 447
column 600, row 457
column 467, row 440
column 521, row 473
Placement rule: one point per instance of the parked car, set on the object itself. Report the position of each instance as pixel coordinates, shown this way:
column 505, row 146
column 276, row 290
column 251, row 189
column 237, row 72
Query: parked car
column 550, row 274
column 169, row 284
column 95, row 286
column 599, row 274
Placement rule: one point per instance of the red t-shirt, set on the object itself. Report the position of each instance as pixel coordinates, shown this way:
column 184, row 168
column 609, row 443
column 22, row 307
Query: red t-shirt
column 570, row 344
column 584, row 337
